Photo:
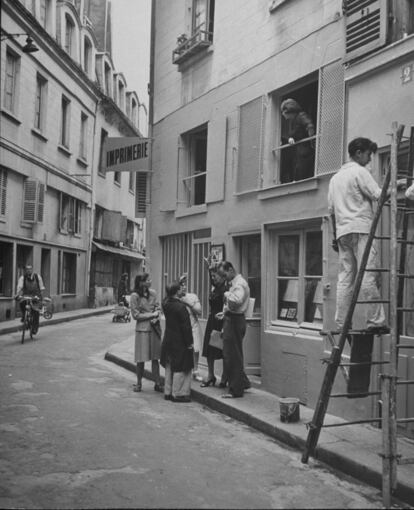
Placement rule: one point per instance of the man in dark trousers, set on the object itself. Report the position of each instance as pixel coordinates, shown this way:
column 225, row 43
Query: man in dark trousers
column 30, row 284
column 236, row 303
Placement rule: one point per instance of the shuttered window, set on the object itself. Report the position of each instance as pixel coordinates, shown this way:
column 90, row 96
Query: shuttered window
column 3, row 192
column 250, row 145
column 366, row 26
column 331, row 115
column 141, row 195
column 29, row 200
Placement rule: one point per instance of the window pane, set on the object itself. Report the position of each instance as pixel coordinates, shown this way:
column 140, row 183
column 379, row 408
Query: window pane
column 288, row 292
column 313, row 254
column 289, row 255
column 313, row 300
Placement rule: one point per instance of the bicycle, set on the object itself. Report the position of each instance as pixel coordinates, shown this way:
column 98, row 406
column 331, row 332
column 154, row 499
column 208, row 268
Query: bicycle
column 29, row 322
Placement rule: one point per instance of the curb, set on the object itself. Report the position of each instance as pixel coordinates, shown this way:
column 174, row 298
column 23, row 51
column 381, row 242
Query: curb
column 56, row 320
column 323, row 453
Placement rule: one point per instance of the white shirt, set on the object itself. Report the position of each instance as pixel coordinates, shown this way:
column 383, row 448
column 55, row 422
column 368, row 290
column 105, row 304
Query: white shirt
column 410, row 192
column 351, row 193
column 20, row 283
column 237, row 297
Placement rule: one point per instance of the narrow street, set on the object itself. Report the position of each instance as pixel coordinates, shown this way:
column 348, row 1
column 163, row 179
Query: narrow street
column 74, row 435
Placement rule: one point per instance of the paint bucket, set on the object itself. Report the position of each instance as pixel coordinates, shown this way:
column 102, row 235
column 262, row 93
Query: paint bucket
column 289, row 409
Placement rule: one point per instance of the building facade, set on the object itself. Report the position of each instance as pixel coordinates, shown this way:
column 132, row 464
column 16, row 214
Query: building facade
column 226, row 179
column 56, row 103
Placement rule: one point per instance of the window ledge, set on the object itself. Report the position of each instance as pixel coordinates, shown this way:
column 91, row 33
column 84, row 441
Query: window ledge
column 117, row 184
column 39, row 134
column 131, row 191
column 3, row 219
column 102, row 174
column 68, row 294
column 289, row 188
column 82, row 162
column 189, row 211
column 64, row 150
column 11, row 116
column 274, row 4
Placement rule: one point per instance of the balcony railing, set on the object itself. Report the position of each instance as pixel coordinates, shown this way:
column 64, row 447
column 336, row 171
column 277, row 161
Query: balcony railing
column 195, row 44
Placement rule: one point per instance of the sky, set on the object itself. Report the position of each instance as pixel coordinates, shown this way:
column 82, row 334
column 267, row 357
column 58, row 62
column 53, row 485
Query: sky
column 131, row 24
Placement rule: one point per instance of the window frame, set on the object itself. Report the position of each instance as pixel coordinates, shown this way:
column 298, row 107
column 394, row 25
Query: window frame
column 83, row 137
column 64, row 139
column 11, row 80
column 68, row 275
column 101, row 168
column 40, row 103
column 69, row 35
column 70, row 215
column 274, row 176
column 192, row 182
column 273, row 310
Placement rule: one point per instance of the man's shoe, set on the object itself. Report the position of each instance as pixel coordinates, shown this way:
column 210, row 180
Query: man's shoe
column 181, row 399
column 159, row 387
column 168, row 397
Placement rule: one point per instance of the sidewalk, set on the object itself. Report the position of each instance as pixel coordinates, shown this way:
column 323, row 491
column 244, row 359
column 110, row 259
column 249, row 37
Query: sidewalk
column 354, row 449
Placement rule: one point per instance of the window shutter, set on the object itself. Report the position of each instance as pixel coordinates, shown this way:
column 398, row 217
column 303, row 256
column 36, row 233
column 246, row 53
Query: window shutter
column 167, row 179
column 216, row 159
column 29, row 200
column 3, row 192
column 366, row 26
column 250, row 145
column 78, row 226
column 40, row 201
column 331, row 114
column 141, row 195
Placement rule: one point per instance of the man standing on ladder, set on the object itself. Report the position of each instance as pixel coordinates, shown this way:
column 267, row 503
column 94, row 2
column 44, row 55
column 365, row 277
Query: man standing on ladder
column 352, row 191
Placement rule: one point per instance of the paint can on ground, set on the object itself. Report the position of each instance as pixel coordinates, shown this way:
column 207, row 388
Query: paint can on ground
column 289, row 409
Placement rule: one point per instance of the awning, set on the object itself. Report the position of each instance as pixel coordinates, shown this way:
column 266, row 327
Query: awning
column 123, row 252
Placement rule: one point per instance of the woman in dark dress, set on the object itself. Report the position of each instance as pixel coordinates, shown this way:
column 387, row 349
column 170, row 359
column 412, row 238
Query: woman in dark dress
column 300, row 127
column 216, row 305
column 177, row 346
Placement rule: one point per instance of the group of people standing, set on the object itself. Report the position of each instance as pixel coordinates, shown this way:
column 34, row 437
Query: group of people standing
column 179, row 348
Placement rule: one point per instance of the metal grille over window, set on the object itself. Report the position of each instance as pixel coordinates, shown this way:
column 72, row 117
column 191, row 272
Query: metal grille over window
column 250, row 148
column 366, row 26
column 331, row 115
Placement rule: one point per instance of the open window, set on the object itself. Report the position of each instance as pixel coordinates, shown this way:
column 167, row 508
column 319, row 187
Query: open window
column 193, row 167
column 295, row 131
column 70, row 215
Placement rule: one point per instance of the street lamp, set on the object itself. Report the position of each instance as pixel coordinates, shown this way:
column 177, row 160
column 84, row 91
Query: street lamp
column 29, row 47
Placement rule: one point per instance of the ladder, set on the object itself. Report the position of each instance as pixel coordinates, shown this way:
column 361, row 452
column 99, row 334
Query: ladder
column 389, row 382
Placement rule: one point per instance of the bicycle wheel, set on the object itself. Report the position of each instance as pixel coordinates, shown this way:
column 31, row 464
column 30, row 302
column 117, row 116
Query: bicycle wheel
column 24, row 326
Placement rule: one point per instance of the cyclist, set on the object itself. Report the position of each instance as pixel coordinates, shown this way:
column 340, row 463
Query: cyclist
column 30, row 284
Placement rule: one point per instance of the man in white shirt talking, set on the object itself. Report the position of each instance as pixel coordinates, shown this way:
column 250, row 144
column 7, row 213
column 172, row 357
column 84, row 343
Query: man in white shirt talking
column 352, row 191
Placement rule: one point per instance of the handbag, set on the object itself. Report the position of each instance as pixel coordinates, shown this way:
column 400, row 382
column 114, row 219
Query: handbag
column 216, row 340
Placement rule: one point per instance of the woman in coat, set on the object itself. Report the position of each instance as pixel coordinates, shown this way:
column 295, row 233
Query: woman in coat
column 177, row 346
column 145, row 310
column 216, row 305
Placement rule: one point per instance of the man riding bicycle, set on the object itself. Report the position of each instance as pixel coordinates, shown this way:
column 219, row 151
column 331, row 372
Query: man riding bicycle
column 30, row 284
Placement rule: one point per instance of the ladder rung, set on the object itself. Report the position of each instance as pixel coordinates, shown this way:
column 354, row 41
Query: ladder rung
column 362, row 363
column 369, row 301
column 402, row 346
column 405, row 420
column 402, row 309
column 372, row 420
column 388, row 238
column 361, row 395
column 405, row 275
column 407, row 381
column 378, row 270
column 407, row 460
column 405, row 241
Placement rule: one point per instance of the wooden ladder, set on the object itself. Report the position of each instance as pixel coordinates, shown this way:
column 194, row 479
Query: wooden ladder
column 388, row 382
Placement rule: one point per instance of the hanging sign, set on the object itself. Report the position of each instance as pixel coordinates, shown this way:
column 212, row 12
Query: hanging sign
column 126, row 154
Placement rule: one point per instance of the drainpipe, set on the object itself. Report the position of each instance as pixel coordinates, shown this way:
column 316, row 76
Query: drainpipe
column 150, row 129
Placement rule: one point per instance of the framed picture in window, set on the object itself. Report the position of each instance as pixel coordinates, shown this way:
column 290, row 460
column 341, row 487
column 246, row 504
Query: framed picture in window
column 217, row 253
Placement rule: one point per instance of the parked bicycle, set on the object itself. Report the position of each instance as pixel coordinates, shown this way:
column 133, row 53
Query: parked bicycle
column 34, row 307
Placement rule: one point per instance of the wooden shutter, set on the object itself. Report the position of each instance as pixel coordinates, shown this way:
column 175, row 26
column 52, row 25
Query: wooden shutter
column 331, row 115
column 40, row 201
column 3, row 192
column 216, row 159
column 250, row 145
column 29, row 200
column 141, row 195
column 366, row 26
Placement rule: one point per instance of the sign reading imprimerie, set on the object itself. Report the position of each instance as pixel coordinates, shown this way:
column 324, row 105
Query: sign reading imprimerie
column 126, row 154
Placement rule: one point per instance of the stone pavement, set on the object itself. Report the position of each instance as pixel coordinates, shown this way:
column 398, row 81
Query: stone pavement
column 353, row 449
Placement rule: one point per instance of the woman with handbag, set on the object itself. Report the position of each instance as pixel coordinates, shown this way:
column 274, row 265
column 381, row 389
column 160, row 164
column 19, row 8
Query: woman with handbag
column 145, row 310
column 213, row 327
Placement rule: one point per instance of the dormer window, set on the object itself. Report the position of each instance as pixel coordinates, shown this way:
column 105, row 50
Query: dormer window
column 69, row 35
column 87, row 56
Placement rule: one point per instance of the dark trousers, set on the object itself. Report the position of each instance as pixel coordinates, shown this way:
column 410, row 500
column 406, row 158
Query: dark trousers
column 234, row 329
